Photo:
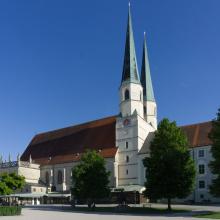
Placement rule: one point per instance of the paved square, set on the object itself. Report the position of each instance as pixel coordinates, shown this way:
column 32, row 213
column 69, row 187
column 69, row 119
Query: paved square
column 58, row 213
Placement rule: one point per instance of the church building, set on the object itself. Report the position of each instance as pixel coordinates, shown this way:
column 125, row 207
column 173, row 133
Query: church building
column 123, row 140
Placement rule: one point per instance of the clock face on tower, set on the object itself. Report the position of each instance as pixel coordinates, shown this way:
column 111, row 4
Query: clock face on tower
column 126, row 122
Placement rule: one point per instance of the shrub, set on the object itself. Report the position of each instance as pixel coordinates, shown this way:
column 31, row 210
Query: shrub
column 10, row 210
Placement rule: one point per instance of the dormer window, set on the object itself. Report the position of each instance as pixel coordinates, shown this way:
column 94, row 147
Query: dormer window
column 127, row 94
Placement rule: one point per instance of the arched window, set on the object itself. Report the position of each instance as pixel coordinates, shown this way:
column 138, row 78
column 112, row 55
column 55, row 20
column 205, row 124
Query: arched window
column 127, row 94
column 60, row 177
column 127, row 159
column 47, row 180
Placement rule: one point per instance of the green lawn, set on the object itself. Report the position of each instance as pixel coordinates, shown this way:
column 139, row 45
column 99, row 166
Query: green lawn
column 131, row 210
column 213, row 215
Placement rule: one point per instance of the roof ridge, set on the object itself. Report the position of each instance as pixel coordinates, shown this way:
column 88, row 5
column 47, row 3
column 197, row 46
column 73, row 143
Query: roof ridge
column 79, row 126
column 82, row 124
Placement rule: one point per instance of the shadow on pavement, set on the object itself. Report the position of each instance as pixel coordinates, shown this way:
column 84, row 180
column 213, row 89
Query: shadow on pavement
column 66, row 208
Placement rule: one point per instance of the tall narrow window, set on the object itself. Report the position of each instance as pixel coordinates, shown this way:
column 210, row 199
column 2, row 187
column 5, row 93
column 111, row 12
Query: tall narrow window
column 201, row 153
column 201, row 184
column 127, row 159
column 126, row 144
column 127, row 94
column 127, row 172
column 59, row 177
column 201, row 168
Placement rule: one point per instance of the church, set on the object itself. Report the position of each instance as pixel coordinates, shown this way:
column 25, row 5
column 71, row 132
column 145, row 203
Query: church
column 123, row 140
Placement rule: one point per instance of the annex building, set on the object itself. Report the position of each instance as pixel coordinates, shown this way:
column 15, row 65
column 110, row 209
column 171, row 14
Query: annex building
column 123, row 140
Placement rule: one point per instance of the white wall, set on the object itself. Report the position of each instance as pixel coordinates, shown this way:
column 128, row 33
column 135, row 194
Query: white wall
column 66, row 169
column 127, row 107
column 201, row 194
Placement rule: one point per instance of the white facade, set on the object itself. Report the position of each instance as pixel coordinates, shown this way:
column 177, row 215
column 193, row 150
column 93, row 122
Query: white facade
column 132, row 129
column 30, row 171
column 202, row 157
column 66, row 175
column 135, row 100
column 151, row 113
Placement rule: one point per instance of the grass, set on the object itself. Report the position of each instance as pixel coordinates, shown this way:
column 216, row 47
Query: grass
column 129, row 210
column 211, row 215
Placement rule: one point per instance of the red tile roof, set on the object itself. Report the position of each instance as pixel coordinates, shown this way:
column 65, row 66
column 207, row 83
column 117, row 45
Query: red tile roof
column 67, row 144
column 197, row 134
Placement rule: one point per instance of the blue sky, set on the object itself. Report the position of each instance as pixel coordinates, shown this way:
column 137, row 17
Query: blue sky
column 61, row 62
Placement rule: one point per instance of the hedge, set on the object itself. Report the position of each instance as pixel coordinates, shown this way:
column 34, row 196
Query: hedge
column 10, row 210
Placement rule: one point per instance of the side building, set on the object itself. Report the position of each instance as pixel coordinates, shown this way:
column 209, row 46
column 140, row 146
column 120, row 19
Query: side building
column 200, row 150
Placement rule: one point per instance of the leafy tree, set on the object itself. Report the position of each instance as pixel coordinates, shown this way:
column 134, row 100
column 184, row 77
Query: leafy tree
column 170, row 170
column 90, row 178
column 4, row 190
column 215, row 164
column 9, row 183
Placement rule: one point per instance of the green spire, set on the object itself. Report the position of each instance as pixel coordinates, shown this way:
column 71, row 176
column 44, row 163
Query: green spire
column 130, row 70
column 146, row 76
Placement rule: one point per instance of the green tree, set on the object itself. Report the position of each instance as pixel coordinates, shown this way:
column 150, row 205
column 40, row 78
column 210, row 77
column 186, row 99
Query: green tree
column 4, row 190
column 215, row 164
column 170, row 170
column 90, row 178
column 9, row 183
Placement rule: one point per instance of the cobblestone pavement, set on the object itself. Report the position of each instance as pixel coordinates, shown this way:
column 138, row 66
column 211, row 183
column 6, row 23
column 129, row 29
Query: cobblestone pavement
column 61, row 213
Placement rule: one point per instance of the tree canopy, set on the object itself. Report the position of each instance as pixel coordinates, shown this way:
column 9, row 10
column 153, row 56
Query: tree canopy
column 215, row 164
column 9, row 183
column 170, row 170
column 90, row 178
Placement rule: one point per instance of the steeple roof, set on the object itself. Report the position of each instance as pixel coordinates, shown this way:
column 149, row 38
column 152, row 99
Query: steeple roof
column 146, row 76
column 130, row 69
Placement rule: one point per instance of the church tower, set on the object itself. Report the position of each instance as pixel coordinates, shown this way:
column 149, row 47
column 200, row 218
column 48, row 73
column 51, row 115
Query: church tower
column 131, row 127
column 150, row 106
column 131, row 91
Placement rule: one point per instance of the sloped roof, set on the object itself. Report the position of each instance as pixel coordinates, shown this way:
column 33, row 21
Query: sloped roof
column 146, row 81
column 66, row 145
column 197, row 134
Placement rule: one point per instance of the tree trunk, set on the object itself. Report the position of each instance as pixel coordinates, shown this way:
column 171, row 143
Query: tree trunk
column 93, row 205
column 169, row 204
column 89, row 203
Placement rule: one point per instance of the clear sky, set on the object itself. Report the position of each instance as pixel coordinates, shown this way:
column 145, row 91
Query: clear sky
column 61, row 62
